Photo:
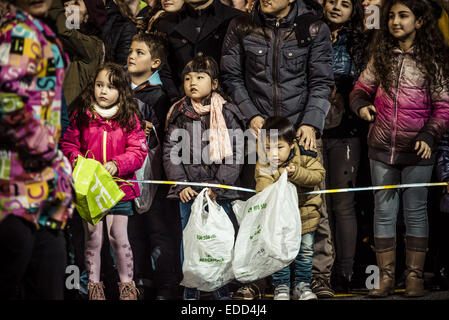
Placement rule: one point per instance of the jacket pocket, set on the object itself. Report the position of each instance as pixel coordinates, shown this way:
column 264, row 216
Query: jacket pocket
column 256, row 58
column 294, row 59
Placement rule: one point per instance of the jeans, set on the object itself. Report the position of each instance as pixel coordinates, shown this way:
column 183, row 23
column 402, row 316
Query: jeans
column 386, row 202
column 302, row 265
column 185, row 210
column 341, row 160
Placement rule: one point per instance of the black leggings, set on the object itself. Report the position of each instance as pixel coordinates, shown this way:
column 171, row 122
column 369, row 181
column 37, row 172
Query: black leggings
column 32, row 262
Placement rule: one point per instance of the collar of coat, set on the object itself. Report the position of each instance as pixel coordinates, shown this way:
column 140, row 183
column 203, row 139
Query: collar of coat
column 398, row 50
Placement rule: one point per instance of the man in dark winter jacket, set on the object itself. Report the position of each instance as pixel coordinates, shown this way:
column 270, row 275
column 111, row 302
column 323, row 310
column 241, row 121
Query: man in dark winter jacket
column 197, row 29
column 277, row 61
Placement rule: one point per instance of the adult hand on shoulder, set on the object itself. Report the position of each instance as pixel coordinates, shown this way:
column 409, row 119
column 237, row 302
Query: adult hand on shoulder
column 186, row 194
column 111, row 167
column 423, row 149
column 365, row 113
column 307, row 137
column 256, row 124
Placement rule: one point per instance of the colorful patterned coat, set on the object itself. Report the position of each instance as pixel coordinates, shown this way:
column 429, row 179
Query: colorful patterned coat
column 35, row 177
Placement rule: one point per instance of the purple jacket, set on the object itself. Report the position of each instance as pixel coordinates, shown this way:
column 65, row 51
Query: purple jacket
column 411, row 114
column 106, row 141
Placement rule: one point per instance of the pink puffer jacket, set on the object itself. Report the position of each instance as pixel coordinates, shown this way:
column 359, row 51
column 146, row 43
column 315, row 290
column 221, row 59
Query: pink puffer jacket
column 106, row 141
column 411, row 114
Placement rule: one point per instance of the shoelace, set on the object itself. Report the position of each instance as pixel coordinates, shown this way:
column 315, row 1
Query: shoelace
column 282, row 289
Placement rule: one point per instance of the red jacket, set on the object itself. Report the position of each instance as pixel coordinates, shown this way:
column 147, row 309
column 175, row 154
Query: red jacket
column 411, row 115
column 106, row 140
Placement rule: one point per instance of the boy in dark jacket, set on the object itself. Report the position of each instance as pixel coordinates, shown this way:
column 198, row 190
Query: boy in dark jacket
column 151, row 233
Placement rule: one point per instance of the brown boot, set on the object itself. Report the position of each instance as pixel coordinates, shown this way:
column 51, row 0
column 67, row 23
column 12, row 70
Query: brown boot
column 385, row 249
column 128, row 290
column 415, row 257
column 96, row 291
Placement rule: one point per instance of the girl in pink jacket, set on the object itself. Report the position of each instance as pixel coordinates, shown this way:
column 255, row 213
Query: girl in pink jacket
column 404, row 91
column 107, row 127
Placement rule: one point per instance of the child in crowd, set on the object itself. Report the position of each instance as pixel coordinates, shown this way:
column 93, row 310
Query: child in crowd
column 407, row 78
column 152, row 232
column 306, row 173
column 203, row 108
column 108, row 126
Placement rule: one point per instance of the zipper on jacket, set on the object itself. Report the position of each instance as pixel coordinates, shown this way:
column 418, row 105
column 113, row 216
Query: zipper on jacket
column 276, row 69
column 396, row 110
column 105, row 136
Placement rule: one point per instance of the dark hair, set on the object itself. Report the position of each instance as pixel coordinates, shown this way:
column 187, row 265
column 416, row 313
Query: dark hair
column 121, row 81
column 285, row 129
column 357, row 41
column 207, row 65
column 430, row 53
column 156, row 43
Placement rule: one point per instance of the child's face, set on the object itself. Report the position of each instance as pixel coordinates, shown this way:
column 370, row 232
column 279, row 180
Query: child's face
column 36, row 8
column 106, row 95
column 338, row 11
column 278, row 151
column 140, row 61
column 402, row 23
column 276, row 8
column 172, row 5
column 199, row 85
column 83, row 15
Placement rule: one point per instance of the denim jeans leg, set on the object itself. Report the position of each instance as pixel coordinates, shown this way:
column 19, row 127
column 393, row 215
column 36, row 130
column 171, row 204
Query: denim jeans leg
column 304, row 260
column 281, row 277
column 185, row 210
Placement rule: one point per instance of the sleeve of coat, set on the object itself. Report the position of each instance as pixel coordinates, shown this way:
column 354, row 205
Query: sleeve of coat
column 171, row 157
column 124, row 43
column 169, row 83
column 232, row 68
column 442, row 167
column 18, row 120
column 438, row 123
column 135, row 152
column 70, row 142
column 320, row 78
column 263, row 177
column 311, row 175
column 365, row 89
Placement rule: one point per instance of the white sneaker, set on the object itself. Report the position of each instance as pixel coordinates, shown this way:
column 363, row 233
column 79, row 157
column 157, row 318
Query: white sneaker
column 282, row 292
column 302, row 291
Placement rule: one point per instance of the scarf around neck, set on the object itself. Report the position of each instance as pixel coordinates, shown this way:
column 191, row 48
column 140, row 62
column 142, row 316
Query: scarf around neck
column 106, row 113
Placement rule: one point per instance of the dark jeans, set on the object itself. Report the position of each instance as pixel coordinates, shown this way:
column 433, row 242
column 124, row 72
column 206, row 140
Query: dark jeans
column 341, row 160
column 32, row 262
column 302, row 265
column 414, row 200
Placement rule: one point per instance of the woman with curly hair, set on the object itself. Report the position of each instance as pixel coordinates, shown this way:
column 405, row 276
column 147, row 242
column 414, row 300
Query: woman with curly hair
column 407, row 77
column 342, row 132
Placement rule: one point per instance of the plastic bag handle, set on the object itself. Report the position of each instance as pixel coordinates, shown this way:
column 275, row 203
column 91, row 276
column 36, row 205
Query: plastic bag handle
column 85, row 156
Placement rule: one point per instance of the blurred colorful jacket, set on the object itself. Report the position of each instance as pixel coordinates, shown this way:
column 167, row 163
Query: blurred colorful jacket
column 35, row 177
column 410, row 114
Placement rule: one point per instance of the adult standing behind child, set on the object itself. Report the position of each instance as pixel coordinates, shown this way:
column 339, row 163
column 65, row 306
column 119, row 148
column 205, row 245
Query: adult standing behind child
column 306, row 172
column 108, row 127
column 213, row 159
column 408, row 80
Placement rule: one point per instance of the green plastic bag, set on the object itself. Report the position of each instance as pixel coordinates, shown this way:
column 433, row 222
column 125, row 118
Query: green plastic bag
column 96, row 191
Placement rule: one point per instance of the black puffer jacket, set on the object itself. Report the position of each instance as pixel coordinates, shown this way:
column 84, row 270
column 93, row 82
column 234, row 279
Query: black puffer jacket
column 118, row 32
column 183, row 118
column 185, row 43
column 267, row 72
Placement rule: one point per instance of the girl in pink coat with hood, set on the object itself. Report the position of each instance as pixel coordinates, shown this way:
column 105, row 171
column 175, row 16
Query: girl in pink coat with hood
column 408, row 80
column 108, row 128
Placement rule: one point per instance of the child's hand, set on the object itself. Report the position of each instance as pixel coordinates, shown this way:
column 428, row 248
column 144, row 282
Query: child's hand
column 148, row 127
column 290, row 169
column 365, row 113
column 423, row 149
column 256, row 124
column 212, row 195
column 111, row 167
column 186, row 194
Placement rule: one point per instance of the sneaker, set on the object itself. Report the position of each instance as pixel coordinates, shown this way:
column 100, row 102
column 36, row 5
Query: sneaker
column 321, row 287
column 191, row 294
column 248, row 292
column 282, row 292
column 302, row 291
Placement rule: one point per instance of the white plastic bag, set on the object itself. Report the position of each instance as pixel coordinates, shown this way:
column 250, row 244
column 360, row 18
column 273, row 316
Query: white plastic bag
column 269, row 236
column 208, row 240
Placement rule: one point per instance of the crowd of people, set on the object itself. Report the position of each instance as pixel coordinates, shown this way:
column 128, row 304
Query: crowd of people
column 348, row 102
